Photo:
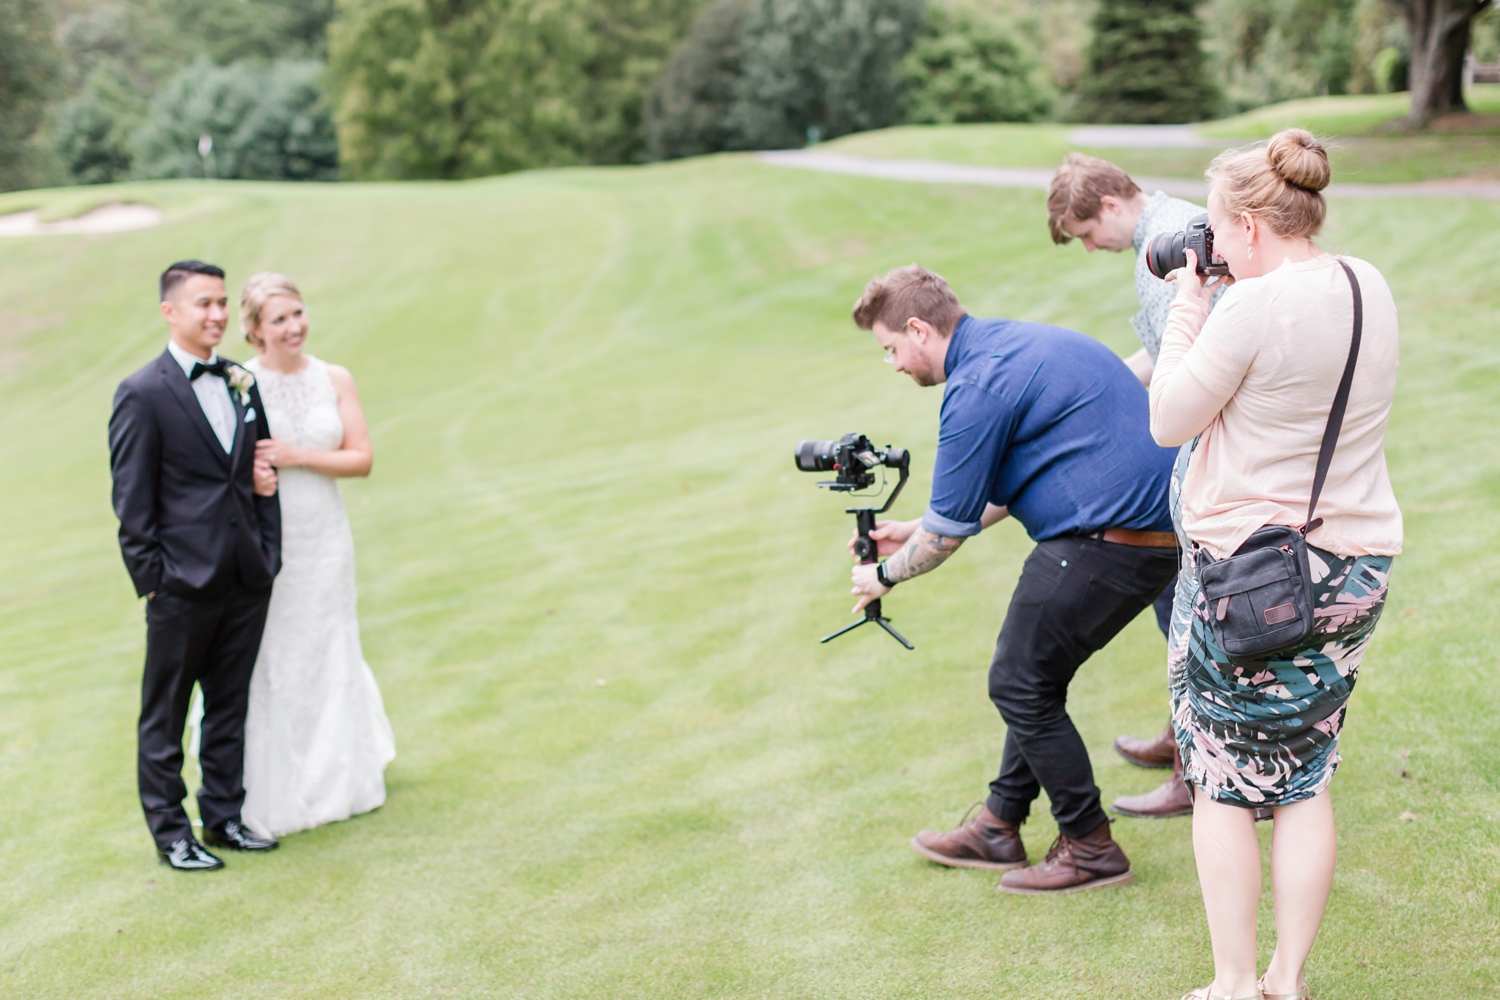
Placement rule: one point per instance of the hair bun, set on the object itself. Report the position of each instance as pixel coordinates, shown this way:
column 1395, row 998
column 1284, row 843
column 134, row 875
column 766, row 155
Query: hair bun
column 1299, row 159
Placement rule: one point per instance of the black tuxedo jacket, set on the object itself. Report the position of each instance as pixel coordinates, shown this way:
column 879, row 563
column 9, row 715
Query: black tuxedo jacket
column 190, row 522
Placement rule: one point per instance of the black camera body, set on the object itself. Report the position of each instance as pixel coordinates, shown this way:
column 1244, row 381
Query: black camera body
column 854, row 460
column 1168, row 251
column 852, row 457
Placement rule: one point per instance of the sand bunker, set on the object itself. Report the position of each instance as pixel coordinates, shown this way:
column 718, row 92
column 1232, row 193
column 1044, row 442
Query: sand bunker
column 104, row 219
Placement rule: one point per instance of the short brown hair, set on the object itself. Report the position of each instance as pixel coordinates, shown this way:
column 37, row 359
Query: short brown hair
column 1077, row 189
column 257, row 292
column 1279, row 182
column 907, row 292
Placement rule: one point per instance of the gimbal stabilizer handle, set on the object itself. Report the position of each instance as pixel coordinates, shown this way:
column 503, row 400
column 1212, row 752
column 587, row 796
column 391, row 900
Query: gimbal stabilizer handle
column 868, row 552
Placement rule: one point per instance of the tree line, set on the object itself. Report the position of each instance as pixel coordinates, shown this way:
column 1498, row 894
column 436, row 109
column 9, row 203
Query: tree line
column 103, row 90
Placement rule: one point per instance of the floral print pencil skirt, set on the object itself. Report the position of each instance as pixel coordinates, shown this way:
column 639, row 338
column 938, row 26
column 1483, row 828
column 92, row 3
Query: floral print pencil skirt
column 1265, row 732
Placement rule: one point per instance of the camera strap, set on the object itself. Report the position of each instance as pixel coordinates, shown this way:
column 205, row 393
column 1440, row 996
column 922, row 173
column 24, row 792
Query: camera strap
column 1262, row 595
column 1340, row 403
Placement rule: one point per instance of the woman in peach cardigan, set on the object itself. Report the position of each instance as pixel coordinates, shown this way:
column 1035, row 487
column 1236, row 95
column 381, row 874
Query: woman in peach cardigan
column 1250, row 386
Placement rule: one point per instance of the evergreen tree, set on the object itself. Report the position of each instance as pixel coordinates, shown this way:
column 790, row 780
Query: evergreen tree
column 829, row 65
column 687, row 108
column 1145, row 64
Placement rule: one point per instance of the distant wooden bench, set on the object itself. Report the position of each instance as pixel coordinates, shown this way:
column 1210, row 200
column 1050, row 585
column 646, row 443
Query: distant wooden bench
column 1478, row 72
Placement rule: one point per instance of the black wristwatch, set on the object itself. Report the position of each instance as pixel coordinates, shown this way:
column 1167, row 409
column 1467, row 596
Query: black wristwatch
column 880, row 575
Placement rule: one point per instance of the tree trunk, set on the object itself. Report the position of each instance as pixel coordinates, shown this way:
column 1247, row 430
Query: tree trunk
column 1439, row 38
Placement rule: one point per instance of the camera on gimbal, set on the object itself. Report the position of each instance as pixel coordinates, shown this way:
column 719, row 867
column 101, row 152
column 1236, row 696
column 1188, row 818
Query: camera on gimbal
column 854, row 460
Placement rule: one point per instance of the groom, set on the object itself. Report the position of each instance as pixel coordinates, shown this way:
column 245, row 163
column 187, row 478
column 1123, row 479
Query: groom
column 200, row 529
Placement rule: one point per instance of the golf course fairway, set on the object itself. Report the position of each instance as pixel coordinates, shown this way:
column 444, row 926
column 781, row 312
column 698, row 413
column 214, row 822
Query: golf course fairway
column 591, row 584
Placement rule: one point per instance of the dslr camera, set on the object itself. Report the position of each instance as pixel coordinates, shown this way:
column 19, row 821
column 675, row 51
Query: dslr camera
column 1168, row 251
column 852, row 457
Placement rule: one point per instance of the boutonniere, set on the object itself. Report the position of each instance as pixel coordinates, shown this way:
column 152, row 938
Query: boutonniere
column 240, row 380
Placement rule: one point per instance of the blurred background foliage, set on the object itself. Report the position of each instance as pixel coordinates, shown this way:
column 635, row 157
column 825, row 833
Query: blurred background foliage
column 96, row 91
column 1145, row 64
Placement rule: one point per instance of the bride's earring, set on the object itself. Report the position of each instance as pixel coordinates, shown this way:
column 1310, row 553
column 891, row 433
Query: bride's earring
column 1249, row 253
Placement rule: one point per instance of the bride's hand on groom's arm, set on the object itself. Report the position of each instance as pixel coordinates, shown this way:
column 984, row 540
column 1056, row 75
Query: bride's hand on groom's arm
column 265, row 476
column 276, row 452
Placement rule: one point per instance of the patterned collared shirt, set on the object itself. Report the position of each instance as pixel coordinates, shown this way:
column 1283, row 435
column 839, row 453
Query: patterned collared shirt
column 1162, row 214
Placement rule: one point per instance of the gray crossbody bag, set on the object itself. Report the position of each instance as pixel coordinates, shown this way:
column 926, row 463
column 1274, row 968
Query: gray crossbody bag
column 1260, row 598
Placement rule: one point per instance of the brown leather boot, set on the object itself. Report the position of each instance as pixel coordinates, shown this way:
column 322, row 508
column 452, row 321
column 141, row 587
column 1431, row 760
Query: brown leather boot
column 1172, row 797
column 1154, row 752
column 1074, row 864
column 985, row 842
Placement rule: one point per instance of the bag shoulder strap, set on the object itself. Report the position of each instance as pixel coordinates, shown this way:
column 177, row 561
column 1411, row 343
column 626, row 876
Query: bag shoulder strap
column 1340, row 402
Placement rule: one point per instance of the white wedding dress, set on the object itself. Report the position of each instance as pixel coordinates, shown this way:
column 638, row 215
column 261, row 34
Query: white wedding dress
column 317, row 739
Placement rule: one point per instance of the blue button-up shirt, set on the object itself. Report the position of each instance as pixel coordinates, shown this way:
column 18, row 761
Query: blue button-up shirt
column 1049, row 423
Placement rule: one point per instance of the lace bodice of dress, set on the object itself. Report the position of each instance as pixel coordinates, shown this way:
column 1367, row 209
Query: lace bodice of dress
column 303, row 409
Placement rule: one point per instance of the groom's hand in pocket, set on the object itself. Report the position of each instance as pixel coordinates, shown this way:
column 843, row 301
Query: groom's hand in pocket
column 265, row 477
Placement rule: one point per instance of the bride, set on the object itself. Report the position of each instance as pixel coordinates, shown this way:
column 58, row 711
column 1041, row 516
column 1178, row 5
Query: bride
column 316, row 739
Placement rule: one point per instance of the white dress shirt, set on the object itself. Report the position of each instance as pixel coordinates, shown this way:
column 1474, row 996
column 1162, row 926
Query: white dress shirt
column 212, row 393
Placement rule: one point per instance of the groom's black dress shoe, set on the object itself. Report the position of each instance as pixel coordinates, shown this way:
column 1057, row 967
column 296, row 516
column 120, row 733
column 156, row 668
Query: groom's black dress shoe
column 233, row 835
column 187, row 855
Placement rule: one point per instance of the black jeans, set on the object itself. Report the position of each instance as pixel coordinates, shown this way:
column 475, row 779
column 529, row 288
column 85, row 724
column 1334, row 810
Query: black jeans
column 1163, row 607
column 1075, row 594
column 213, row 642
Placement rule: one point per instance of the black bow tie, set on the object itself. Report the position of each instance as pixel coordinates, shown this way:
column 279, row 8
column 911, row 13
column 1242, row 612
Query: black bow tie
column 199, row 368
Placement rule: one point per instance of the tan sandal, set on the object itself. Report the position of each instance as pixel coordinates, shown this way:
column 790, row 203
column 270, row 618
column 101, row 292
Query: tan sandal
column 1303, row 994
column 1207, row 993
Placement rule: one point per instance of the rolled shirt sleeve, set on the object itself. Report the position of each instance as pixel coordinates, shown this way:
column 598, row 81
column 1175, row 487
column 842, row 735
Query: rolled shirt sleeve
column 974, row 431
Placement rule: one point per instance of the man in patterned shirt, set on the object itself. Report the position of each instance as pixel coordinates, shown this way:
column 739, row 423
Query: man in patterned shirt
column 1096, row 202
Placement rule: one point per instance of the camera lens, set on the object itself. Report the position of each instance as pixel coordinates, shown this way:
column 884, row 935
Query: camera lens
column 1166, row 253
column 815, row 456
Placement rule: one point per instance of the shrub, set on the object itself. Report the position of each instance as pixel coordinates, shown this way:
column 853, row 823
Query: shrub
column 28, row 73
column 90, row 131
column 1145, row 64
column 473, row 87
column 1274, row 50
column 967, row 65
column 267, row 123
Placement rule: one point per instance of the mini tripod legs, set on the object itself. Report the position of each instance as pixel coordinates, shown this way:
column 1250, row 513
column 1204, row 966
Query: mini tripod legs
column 872, row 614
column 867, row 552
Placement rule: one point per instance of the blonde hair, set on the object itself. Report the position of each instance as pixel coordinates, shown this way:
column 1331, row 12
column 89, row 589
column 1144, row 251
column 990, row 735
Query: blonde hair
column 1078, row 189
column 906, row 292
column 1278, row 182
column 258, row 290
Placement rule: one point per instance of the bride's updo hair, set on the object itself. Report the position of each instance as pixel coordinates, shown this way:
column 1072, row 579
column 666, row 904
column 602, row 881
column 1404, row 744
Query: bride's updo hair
column 1279, row 182
column 259, row 289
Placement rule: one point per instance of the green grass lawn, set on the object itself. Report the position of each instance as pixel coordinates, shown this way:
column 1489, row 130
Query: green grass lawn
column 1361, row 152
column 584, row 389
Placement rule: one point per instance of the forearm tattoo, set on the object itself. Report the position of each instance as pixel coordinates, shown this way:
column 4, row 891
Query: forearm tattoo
column 922, row 553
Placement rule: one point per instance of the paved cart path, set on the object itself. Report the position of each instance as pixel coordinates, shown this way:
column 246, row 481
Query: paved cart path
column 938, row 172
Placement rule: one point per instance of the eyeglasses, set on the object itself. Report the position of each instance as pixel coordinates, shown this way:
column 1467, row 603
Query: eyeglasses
column 890, row 355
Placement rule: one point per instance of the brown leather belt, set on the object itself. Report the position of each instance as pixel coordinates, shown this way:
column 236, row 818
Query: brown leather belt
column 1143, row 539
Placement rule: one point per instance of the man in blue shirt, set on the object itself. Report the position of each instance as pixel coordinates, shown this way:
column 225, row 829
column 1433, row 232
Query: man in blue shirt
column 1050, row 427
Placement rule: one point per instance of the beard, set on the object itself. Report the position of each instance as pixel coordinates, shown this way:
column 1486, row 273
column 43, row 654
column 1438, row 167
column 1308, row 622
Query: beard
column 923, row 378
